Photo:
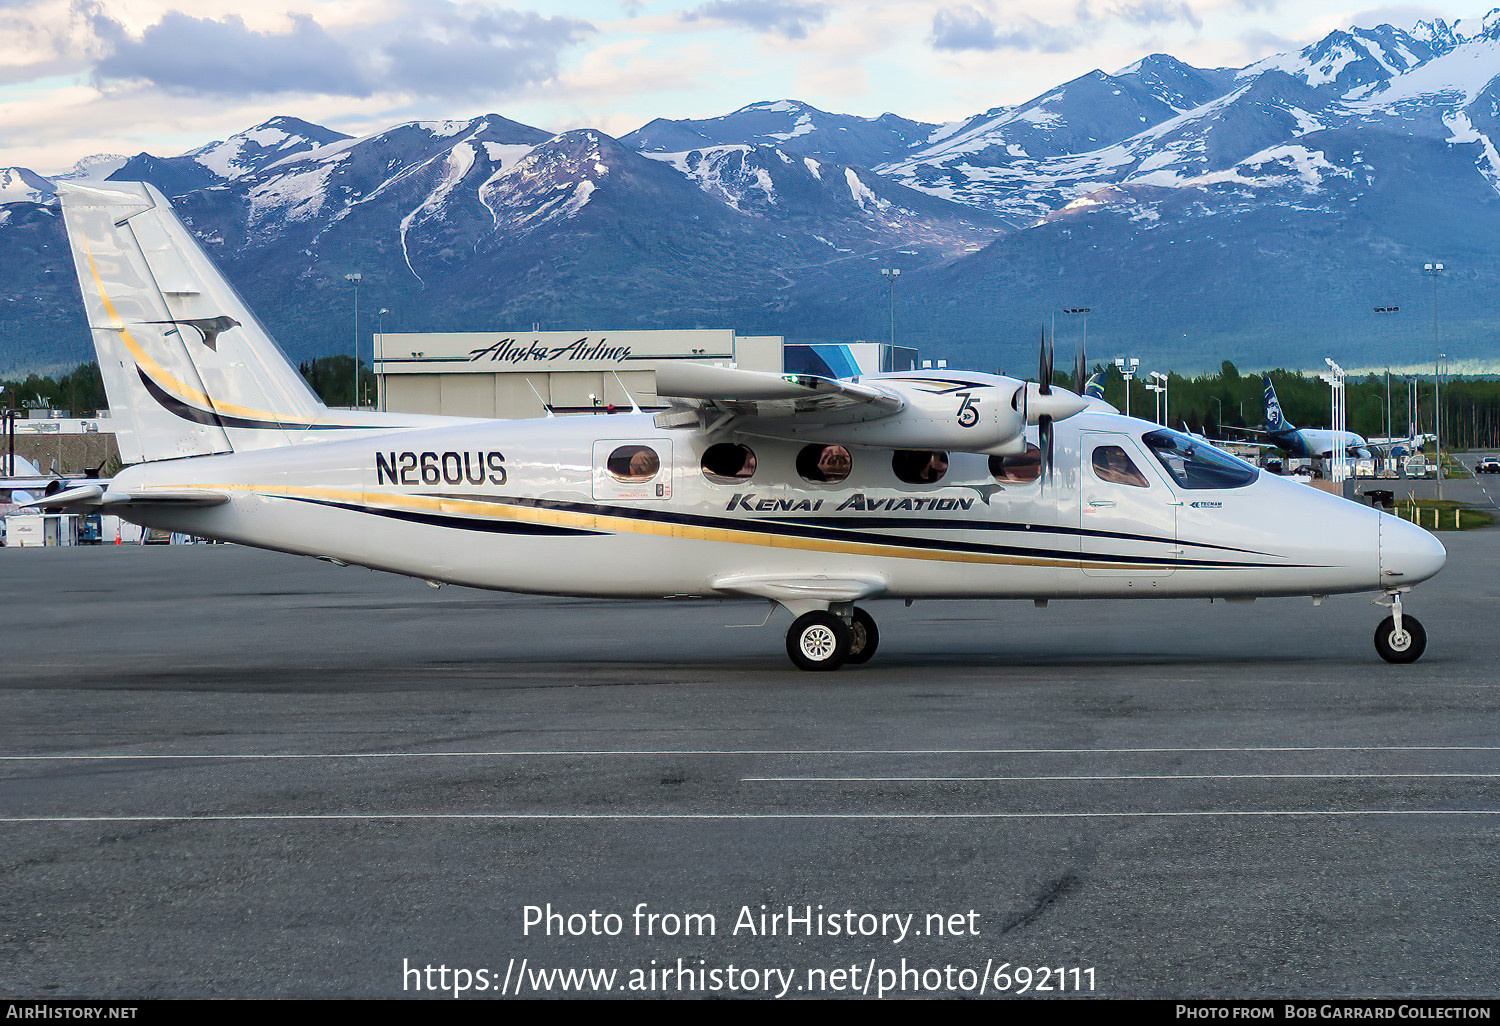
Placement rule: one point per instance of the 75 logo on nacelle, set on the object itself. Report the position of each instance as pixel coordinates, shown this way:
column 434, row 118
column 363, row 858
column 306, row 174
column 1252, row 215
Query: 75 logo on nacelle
column 968, row 410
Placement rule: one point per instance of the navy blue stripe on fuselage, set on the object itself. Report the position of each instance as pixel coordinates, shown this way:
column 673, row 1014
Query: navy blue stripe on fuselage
column 801, row 530
column 448, row 520
column 856, row 523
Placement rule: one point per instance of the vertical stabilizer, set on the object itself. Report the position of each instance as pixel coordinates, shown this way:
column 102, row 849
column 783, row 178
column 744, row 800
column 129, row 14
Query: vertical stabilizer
column 188, row 368
column 1274, row 420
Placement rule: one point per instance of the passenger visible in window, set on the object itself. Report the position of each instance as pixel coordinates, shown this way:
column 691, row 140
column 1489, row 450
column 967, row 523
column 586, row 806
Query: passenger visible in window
column 919, row 466
column 728, row 463
column 633, row 463
column 643, row 464
column 834, row 463
column 1022, row 469
column 1113, row 465
column 827, row 464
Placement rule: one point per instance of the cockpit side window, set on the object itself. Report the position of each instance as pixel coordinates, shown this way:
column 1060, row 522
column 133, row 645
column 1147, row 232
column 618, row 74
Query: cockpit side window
column 1113, row 464
column 1195, row 464
column 633, row 463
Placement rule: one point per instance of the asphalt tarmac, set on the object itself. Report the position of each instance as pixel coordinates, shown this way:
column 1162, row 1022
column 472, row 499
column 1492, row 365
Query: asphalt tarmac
column 236, row 773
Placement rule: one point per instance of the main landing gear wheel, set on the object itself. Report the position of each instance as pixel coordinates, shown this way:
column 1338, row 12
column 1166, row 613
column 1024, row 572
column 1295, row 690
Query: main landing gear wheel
column 866, row 637
column 819, row 641
column 1403, row 646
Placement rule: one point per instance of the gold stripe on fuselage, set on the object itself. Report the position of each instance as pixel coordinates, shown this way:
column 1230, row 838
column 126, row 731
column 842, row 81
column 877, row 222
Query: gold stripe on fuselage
column 613, row 523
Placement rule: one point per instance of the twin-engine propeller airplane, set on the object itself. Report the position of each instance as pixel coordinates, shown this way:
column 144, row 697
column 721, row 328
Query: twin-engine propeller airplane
column 813, row 493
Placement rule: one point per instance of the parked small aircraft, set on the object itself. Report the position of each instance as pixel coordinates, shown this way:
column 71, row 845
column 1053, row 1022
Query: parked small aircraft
column 816, row 494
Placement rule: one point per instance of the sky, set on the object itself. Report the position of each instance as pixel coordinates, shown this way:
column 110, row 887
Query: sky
column 79, row 77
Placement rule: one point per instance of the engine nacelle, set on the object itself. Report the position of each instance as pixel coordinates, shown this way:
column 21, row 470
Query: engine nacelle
column 939, row 416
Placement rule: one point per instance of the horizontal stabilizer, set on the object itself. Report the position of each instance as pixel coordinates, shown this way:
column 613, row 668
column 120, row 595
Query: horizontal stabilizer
column 180, row 497
column 81, row 495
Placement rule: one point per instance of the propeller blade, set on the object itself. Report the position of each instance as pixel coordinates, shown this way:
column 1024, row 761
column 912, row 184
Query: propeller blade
column 1044, row 368
column 1080, row 371
column 1044, row 435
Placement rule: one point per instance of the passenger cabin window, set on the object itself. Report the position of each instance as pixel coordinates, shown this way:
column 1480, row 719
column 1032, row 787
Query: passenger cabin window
column 824, row 464
column 728, row 463
column 1113, row 464
column 1020, row 469
column 633, row 463
column 919, row 466
column 1195, row 464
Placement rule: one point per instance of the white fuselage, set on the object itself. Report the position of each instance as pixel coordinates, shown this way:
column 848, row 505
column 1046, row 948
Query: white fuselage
column 529, row 506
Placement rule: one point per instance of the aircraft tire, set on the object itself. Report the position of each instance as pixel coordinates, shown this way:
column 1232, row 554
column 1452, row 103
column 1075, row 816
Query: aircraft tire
column 1406, row 647
column 865, row 637
column 818, row 641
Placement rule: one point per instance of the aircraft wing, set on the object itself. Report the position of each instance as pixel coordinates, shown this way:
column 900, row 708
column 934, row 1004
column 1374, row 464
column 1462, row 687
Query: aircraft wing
column 758, row 394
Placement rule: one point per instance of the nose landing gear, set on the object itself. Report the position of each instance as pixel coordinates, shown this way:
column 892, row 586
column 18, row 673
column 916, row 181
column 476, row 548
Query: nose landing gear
column 826, row 640
column 1399, row 638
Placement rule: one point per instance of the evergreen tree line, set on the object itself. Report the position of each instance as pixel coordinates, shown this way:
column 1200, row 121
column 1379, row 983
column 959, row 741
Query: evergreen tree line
column 81, row 391
column 1470, row 406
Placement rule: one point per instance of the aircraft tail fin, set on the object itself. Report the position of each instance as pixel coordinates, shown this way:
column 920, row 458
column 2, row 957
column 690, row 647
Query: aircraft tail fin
column 1274, row 420
column 188, row 368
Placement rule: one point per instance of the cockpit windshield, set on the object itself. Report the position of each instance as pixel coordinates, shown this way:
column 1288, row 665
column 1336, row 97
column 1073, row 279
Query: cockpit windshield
column 1195, row 464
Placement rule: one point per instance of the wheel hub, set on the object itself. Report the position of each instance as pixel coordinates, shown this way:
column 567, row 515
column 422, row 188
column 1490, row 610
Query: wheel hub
column 818, row 642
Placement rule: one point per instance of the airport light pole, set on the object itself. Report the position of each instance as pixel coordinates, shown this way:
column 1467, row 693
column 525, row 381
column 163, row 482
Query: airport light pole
column 379, row 330
column 1165, row 415
column 891, row 274
column 1437, row 419
column 1220, row 420
column 355, row 279
column 1335, row 379
column 1126, row 366
column 1084, row 311
column 1387, row 310
column 1155, row 389
column 1435, row 271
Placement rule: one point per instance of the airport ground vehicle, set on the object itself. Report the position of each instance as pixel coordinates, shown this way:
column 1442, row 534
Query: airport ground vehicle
column 1488, row 465
column 815, row 494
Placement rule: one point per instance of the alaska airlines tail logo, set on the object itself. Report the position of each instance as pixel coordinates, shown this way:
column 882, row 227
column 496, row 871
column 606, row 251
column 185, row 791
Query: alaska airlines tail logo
column 208, row 328
column 1273, row 409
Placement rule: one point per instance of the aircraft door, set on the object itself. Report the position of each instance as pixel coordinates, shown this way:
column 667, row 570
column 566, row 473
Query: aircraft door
column 626, row 468
column 1125, row 508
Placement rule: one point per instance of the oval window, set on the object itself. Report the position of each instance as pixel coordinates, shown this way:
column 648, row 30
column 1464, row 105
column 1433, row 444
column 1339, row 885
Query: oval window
column 825, row 464
column 633, row 463
column 727, row 463
column 919, row 466
column 1020, row 469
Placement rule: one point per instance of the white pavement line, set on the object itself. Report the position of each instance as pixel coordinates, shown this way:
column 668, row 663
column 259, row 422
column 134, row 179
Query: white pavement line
column 418, row 816
column 752, row 751
column 1130, row 776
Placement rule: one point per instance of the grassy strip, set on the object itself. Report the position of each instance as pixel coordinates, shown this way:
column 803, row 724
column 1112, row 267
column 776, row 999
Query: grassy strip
column 1421, row 513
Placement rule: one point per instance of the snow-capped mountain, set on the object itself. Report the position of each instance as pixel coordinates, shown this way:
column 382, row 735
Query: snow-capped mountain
column 227, row 159
column 1202, row 214
column 96, row 167
column 794, row 127
column 20, row 185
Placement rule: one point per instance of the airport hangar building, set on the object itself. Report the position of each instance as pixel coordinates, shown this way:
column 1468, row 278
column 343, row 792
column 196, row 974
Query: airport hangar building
column 516, row 374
